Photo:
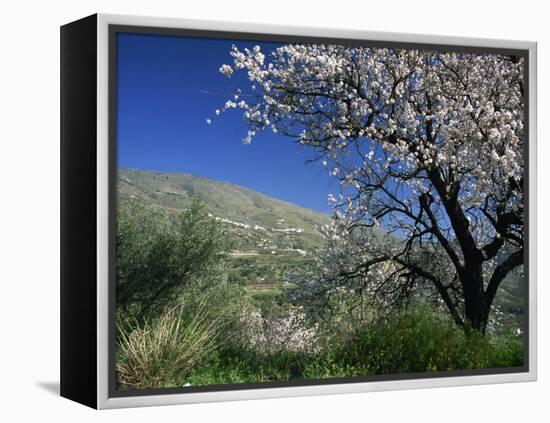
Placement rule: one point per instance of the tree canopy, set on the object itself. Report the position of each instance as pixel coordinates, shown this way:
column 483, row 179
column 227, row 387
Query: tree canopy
column 156, row 259
column 426, row 145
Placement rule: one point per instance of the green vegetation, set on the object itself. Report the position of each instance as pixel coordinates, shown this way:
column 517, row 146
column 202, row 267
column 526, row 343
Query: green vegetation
column 196, row 304
column 415, row 341
column 262, row 254
column 156, row 261
column 176, row 191
column 166, row 347
column 420, row 340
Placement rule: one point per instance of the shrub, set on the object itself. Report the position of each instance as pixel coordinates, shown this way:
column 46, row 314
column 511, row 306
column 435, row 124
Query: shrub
column 163, row 349
column 508, row 351
column 423, row 341
column 409, row 342
column 157, row 259
column 277, row 334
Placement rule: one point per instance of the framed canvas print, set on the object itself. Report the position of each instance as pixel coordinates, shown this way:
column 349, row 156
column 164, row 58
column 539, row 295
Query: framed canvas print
column 254, row 211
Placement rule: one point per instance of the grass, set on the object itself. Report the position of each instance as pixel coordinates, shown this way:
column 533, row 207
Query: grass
column 157, row 353
column 423, row 341
column 210, row 342
column 412, row 342
column 182, row 347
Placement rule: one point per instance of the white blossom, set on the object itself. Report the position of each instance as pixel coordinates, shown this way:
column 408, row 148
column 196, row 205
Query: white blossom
column 403, row 131
column 226, row 70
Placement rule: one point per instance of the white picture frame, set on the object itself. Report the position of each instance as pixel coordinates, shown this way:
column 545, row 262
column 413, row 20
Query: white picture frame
column 103, row 367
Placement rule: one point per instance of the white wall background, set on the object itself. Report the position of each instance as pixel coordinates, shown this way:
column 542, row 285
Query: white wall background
column 29, row 209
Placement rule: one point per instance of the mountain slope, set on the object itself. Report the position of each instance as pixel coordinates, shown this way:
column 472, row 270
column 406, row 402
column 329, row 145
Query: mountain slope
column 256, row 221
column 271, row 238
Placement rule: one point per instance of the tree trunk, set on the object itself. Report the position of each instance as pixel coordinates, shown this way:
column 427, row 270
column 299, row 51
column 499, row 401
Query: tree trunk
column 476, row 306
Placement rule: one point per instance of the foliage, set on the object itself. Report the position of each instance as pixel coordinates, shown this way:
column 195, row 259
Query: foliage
column 427, row 145
column 423, row 341
column 156, row 260
column 162, row 349
column 213, row 330
column 414, row 341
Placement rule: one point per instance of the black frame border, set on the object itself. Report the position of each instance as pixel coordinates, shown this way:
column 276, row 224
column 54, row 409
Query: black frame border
column 114, row 29
column 78, row 211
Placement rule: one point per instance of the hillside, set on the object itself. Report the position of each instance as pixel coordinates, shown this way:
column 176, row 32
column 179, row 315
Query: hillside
column 270, row 237
column 233, row 205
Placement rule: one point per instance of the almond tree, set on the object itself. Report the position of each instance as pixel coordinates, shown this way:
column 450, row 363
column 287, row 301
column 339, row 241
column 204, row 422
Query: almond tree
column 426, row 145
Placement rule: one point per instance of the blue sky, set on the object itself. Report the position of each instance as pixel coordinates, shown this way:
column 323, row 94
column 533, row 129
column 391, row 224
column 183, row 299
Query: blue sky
column 168, row 86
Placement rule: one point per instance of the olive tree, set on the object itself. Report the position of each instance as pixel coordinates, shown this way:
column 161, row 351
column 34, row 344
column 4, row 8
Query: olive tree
column 157, row 259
